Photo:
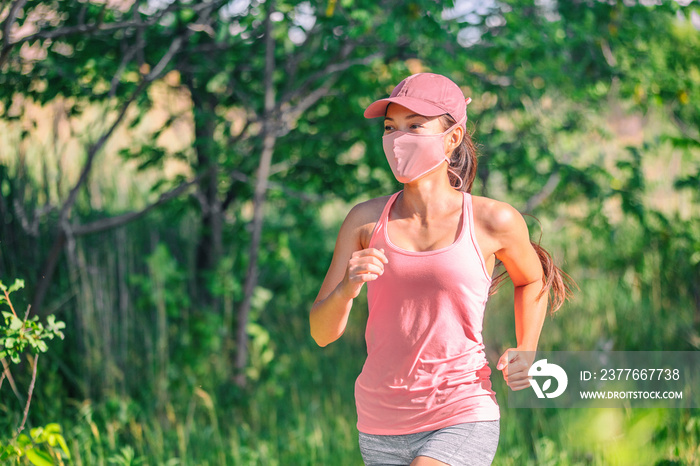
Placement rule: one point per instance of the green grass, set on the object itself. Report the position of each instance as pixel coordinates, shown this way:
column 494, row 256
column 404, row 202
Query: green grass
column 314, row 425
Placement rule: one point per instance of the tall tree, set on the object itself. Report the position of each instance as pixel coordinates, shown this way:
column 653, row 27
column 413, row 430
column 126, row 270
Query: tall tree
column 277, row 66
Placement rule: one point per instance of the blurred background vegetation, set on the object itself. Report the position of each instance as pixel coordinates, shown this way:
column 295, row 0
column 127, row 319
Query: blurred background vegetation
column 173, row 175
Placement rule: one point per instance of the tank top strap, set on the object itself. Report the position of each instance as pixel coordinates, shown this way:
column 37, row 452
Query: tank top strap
column 379, row 227
column 469, row 223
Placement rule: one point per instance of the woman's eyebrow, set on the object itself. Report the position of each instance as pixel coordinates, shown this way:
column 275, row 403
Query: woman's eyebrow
column 412, row 115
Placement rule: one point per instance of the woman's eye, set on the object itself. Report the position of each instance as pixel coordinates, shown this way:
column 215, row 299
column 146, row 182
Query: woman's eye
column 388, row 128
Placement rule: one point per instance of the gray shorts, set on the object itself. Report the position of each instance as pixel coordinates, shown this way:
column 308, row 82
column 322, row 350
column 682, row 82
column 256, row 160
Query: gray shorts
column 468, row 444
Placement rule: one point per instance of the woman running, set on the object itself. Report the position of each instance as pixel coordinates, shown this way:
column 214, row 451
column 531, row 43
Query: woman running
column 427, row 254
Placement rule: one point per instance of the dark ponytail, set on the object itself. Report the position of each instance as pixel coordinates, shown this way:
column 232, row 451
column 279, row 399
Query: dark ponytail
column 557, row 284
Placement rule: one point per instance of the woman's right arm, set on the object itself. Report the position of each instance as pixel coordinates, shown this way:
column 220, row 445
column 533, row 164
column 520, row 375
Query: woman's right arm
column 350, row 268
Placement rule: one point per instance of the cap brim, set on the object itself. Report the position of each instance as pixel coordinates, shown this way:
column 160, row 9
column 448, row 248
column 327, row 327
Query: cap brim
column 421, row 107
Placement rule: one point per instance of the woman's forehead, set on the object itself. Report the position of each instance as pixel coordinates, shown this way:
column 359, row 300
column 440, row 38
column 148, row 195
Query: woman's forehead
column 394, row 110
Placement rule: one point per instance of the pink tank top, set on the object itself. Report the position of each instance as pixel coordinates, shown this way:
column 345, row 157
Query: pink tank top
column 426, row 368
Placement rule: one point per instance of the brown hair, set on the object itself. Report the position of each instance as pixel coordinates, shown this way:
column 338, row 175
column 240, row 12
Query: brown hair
column 557, row 284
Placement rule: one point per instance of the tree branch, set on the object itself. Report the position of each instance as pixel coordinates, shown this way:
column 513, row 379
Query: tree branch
column 242, row 177
column 100, row 27
column 9, row 303
column 544, row 193
column 684, row 128
column 234, row 139
column 93, row 150
column 120, row 220
column 290, row 115
column 128, row 56
column 175, row 46
column 549, row 187
column 29, row 394
column 6, row 28
column 64, row 227
column 11, row 380
column 30, row 227
column 332, row 68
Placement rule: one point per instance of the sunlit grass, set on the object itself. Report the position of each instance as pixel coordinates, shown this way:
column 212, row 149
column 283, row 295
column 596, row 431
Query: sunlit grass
column 308, row 426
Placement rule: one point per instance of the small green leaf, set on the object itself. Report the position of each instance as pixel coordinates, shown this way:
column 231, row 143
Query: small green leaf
column 64, row 445
column 39, row 458
column 15, row 323
column 16, row 285
column 53, row 327
column 53, row 428
column 36, row 433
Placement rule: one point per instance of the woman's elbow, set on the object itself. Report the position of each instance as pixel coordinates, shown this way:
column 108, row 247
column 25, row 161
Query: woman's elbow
column 321, row 343
column 322, row 338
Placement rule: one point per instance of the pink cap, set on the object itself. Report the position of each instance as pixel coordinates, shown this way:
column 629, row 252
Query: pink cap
column 427, row 94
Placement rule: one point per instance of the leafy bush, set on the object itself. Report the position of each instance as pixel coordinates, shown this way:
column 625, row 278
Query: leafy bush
column 44, row 445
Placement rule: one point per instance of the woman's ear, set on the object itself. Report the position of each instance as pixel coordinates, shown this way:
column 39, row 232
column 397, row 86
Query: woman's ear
column 454, row 139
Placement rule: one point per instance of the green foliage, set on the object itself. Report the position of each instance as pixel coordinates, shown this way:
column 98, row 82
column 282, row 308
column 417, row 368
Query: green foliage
column 17, row 334
column 44, row 446
column 126, row 457
column 17, row 285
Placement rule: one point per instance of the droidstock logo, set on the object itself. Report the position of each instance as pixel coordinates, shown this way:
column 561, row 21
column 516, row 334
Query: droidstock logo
column 542, row 368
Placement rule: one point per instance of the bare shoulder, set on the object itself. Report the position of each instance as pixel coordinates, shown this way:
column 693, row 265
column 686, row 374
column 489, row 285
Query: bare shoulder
column 496, row 217
column 368, row 211
column 363, row 217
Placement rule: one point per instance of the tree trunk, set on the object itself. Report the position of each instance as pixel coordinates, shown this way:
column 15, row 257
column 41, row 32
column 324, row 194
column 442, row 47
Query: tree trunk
column 44, row 280
column 209, row 247
column 263, row 174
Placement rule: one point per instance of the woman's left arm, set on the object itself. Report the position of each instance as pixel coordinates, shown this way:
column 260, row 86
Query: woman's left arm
column 525, row 270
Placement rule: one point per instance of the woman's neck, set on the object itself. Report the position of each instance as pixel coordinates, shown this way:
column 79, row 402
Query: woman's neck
column 429, row 196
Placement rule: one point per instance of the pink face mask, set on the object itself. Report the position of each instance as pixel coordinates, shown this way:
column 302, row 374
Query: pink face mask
column 412, row 155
